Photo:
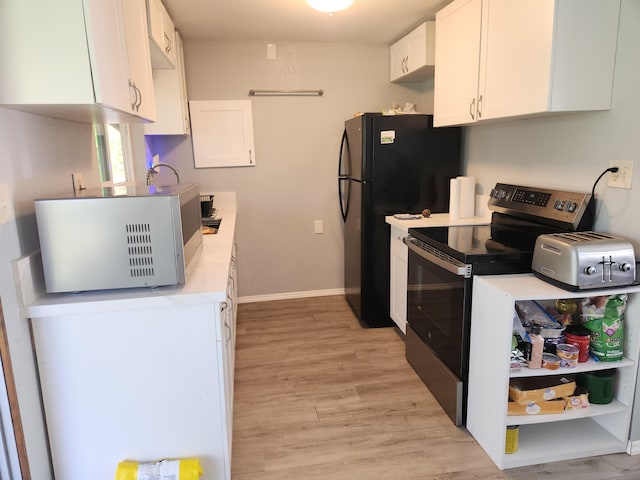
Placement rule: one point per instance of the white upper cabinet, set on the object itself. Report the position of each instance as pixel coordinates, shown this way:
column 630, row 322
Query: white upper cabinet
column 501, row 59
column 162, row 33
column 412, row 58
column 171, row 99
column 139, row 61
column 222, row 133
column 70, row 61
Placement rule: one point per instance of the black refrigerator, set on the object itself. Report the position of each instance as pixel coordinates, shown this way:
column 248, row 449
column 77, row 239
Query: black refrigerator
column 388, row 164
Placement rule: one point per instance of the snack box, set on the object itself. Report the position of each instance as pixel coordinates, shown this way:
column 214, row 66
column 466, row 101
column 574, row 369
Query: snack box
column 557, row 405
column 579, row 399
column 525, row 390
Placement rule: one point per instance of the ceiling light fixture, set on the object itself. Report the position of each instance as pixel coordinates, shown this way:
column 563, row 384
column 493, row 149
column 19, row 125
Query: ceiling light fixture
column 329, row 6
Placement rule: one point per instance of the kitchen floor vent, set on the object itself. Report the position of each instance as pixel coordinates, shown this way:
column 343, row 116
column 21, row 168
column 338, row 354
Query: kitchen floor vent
column 140, row 250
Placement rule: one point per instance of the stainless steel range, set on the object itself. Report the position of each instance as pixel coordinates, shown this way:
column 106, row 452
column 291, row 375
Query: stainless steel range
column 442, row 263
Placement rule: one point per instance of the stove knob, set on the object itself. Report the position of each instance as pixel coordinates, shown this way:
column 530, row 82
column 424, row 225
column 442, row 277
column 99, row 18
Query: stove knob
column 625, row 267
column 571, row 207
column 590, row 270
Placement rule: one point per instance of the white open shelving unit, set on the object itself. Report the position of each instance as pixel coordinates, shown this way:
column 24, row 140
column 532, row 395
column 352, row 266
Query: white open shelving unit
column 596, row 430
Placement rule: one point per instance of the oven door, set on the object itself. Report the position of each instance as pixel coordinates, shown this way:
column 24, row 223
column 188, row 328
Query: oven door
column 438, row 316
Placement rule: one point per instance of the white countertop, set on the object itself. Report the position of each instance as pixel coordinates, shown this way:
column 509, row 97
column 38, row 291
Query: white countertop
column 436, row 220
column 207, row 278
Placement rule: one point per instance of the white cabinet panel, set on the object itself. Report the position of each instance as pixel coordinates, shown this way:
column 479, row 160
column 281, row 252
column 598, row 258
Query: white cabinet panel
column 516, row 58
column 71, row 60
column 398, row 282
column 458, row 60
column 139, row 61
column 596, row 430
column 411, row 58
column 162, row 36
column 222, row 133
column 171, row 99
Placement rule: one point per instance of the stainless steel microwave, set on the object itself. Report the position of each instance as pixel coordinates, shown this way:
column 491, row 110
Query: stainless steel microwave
column 119, row 237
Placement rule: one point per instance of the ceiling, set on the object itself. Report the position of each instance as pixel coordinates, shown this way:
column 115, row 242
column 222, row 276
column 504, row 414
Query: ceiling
column 366, row 21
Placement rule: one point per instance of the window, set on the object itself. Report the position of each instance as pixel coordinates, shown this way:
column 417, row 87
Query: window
column 114, row 153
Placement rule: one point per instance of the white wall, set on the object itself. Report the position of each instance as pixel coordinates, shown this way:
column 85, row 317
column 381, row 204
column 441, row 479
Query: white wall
column 297, row 141
column 37, row 156
column 569, row 151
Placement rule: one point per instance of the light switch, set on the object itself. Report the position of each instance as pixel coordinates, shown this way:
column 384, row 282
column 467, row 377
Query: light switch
column 272, row 52
column 6, row 205
column 318, row 226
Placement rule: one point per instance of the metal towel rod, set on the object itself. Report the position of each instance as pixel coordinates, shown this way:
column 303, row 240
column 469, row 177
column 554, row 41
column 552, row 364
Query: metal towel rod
column 283, row 93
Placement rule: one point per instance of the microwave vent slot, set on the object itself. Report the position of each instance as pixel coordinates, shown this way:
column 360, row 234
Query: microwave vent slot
column 140, row 250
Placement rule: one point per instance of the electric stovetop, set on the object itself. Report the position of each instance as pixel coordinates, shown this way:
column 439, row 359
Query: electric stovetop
column 498, row 248
column 520, row 215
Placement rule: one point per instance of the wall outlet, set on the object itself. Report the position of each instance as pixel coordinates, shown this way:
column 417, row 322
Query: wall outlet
column 156, row 160
column 6, row 205
column 318, row 226
column 78, row 183
column 622, row 178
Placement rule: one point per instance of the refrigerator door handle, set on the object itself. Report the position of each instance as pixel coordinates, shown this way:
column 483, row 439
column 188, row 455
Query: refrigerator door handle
column 342, row 144
column 344, row 208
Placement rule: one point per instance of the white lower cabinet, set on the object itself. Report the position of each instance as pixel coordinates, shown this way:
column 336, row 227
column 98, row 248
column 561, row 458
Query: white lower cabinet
column 139, row 384
column 596, row 430
column 398, row 254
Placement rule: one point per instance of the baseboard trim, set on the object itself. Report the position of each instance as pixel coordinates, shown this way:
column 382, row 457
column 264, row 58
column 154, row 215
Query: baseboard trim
column 633, row 447
column 290, row 295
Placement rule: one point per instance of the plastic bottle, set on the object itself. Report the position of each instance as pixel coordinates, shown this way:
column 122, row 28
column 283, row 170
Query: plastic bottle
column 537, row 346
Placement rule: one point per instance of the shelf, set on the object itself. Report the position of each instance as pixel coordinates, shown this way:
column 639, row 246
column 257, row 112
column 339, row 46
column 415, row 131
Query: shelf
column 549, row 442
column 592, row 411
column 529, row 287
column 588, row 366
column 596, row 430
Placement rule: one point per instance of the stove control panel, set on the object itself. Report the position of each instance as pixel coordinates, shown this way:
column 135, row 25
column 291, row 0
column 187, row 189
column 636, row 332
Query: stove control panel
column 568, row 210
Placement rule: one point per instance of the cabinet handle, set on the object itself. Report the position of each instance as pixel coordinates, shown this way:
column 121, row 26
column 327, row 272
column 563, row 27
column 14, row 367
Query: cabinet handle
column 132, row 90
column 472, row 108
column 168, row 44
column 139, row 95
column 250, row 158
column 479, row 107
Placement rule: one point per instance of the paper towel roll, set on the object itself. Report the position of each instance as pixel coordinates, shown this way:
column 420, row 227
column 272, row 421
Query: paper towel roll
column 467, row 197
column 454, row 198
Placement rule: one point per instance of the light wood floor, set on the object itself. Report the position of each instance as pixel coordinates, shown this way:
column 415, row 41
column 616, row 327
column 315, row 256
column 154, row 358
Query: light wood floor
column 319, row 397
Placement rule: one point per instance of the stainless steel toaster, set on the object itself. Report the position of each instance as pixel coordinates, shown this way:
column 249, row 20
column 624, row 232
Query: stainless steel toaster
column 584, row 260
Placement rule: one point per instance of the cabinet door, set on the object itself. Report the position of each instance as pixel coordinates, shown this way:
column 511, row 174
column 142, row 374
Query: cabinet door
column 169, row 34
column 222, row 133
column 171, row 99
column 398, row 56
column 134, row 13
column 398, row 281
column 161, row 36
column 458, row 62
column 107, row 53
column 516, row 72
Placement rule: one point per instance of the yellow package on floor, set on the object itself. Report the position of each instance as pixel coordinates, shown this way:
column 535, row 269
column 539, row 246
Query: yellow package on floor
column 184, row 469
column 541, row 408
column 525, row 390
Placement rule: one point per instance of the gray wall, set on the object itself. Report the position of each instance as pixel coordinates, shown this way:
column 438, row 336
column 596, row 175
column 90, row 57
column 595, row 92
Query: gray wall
column 297, row 141
column 37, row 156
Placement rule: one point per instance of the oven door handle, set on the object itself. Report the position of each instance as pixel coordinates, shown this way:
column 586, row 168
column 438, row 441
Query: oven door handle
column 443, row 260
